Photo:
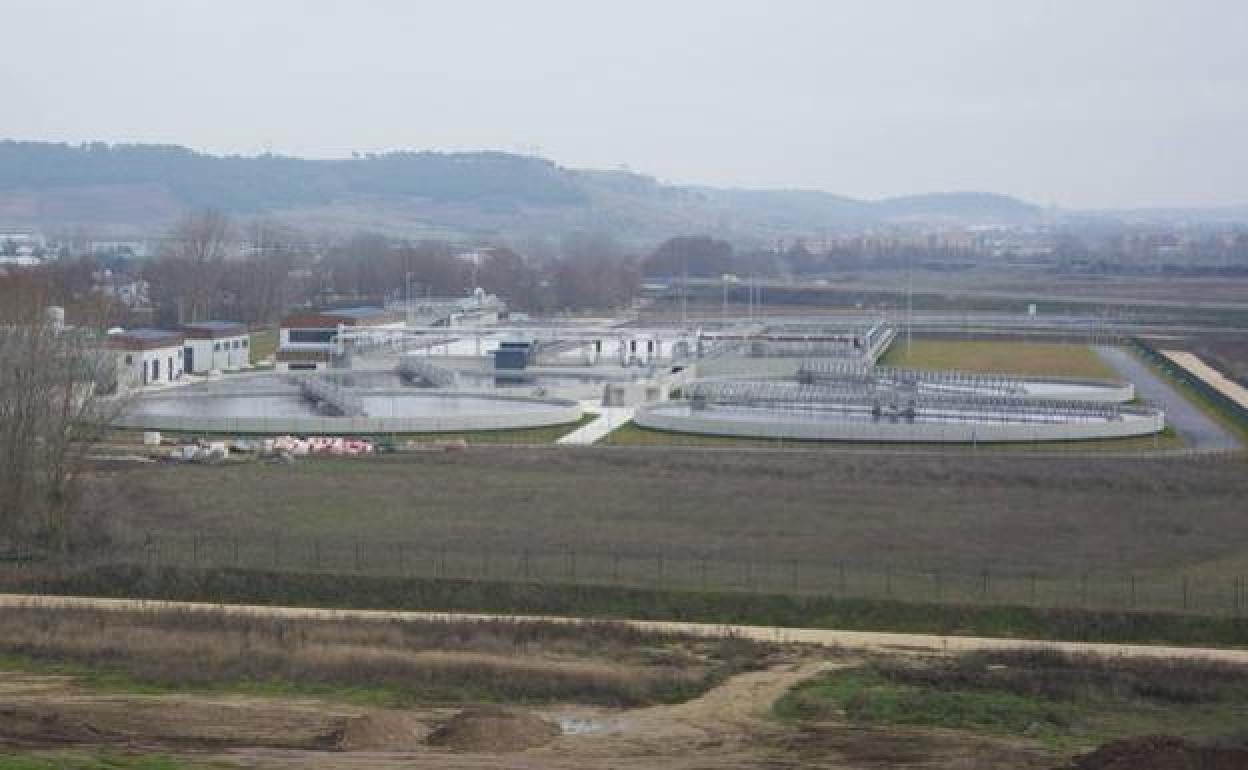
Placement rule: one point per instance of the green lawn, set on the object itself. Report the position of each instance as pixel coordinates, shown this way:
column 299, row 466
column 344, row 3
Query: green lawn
column 263, row 344
column 1013, row 357
column 1056, row 698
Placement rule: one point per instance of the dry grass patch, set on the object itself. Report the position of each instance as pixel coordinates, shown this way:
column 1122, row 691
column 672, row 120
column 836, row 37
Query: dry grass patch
column 384, row 662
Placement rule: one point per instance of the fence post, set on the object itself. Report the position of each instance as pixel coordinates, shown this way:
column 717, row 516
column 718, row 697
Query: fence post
column 703, row 573
column 442, row 562
column 235, row 544
column 659, row 558
column 195, row 550
column 357, row 555
column 986, row 581
column 1132, row 590
column 1185, row 592
column 1083, row 589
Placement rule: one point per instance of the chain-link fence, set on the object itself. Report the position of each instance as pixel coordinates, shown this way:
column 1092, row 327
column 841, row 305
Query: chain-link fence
column 1203, row 594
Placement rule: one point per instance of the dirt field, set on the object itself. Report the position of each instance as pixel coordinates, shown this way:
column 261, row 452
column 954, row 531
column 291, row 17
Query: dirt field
column 732, row 725
column 1035, row 358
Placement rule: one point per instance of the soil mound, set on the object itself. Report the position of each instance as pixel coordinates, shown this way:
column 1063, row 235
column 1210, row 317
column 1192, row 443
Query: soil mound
column 1165, row 752
column 493, row 730
column 381, row 731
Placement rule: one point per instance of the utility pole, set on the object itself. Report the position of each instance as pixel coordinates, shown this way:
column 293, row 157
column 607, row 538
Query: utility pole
column 909, row 305
column 409, row 298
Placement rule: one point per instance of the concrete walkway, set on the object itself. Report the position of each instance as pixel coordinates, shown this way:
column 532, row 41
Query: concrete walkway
column 1197, row 429
column 609, row 418
column 858, row 640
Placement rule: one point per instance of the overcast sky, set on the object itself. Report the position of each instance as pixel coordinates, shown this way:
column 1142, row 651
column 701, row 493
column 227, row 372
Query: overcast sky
column 1074, row 102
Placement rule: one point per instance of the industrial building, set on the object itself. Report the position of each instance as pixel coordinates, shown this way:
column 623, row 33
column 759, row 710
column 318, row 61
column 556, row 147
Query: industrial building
column 215, row 346
column 147, row 356
column 366, row 369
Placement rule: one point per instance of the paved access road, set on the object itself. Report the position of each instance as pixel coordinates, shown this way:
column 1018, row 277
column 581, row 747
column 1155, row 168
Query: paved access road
column 855, row 640
column 1196, row 428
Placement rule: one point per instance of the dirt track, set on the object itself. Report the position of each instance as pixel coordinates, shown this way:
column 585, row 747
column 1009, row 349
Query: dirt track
column 1224, row 385
column 849, row 640
column 728, row 727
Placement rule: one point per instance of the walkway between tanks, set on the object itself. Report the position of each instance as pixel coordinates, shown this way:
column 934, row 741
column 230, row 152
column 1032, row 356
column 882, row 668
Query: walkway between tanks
column 609, row 418
column 1196, row 428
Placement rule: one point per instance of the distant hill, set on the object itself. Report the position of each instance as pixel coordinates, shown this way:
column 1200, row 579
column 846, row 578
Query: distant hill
column 140, row 188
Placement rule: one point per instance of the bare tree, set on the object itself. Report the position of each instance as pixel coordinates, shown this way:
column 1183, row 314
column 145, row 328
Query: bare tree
column 187, row 277
column 52, row 410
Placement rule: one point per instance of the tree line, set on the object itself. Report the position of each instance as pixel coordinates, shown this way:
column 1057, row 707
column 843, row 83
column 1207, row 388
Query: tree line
column 212, row 267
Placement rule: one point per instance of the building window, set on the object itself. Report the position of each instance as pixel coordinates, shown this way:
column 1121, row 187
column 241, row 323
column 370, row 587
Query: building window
column 216, row 347
column 309, row 336
column 129, row 360
column 155, row 370
column 300, row 367
column 236, row 344
column 244, row 343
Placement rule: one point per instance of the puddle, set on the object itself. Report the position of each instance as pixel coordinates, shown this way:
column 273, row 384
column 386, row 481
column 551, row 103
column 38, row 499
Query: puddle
column 584, row 726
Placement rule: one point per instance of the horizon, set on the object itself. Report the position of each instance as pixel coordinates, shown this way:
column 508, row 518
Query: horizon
column 1229, row 206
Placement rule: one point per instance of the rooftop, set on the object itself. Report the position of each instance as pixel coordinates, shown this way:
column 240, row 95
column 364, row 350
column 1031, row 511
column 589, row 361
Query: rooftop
column 216, row 325
column 355, row 312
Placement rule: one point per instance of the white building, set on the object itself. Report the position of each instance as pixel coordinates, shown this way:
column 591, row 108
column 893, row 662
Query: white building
column 147, row 357
column 215, row 346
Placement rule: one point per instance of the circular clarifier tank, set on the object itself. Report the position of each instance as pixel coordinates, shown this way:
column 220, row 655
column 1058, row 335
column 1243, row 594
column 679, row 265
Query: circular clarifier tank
column 269, row 407
column 933, row 423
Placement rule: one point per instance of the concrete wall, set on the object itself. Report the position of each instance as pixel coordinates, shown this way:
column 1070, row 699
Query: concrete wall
column 557, row 412
column 674, row 417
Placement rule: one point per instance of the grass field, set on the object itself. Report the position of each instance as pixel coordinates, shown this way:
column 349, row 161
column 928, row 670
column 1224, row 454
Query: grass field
column 1013, row 357
column 263, row 344
column 598, row 512
column 1058, row 698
